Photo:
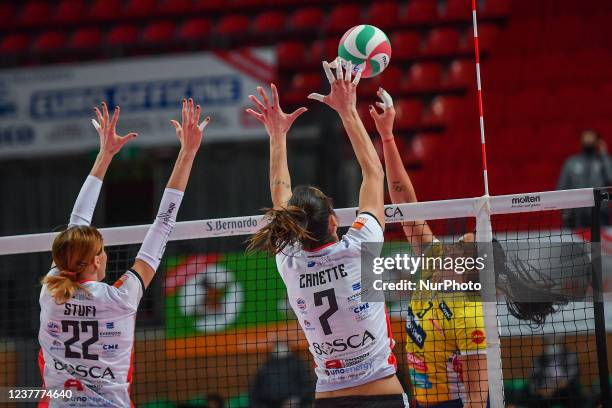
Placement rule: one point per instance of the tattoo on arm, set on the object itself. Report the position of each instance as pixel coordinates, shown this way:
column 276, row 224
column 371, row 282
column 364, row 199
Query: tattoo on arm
column 280, row 183
column 398, row 186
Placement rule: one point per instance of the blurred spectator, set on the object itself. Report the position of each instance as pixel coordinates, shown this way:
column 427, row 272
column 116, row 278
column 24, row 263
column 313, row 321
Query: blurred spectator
column 555, row 380
column 282, row 381
column 590, row 168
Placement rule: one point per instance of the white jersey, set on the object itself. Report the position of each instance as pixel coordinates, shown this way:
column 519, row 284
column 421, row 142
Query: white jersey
column 350, row 341
column 87, row 343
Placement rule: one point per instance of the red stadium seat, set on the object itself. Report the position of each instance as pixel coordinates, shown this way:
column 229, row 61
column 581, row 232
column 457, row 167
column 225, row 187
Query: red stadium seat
column 420, row 11
column 391, row 79
column 444, row 109
column 344, row 16
column 309, row 18
column 461, row 73
column 409, row 113
column 86, row 38
column 406, row 45
column 290, row 54
column 172, row 7
column 35, row 13
column 106, row 10
column 209, row 5
column 442, row 41
column 160, row 31
column 70, row 11
column 423, row 147
column 195, row 29
column 122, row 35
column 384, row 14
column 487, row 34
column 49, row 41
column 235, row 24
column 424, row 76
column 269, row 22
column 309, row 81
column 14, row 44
column 141, row 8
column 457, row 10
column 301, row 85
column 496, row 8
column 530, row 106
column 324, row 50
column 8, row 11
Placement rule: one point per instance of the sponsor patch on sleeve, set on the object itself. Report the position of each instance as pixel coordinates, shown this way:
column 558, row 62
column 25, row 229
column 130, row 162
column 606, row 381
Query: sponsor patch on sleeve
column 359, row 222
column 119, row 282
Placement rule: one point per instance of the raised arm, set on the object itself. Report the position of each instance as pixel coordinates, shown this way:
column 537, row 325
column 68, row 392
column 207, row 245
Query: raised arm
column 110, row 144
column 400, row 187
column 342, row 99
column 189, row 132
column 277, row 124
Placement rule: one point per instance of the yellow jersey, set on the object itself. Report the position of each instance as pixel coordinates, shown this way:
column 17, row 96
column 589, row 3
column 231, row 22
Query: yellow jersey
column 440, row 327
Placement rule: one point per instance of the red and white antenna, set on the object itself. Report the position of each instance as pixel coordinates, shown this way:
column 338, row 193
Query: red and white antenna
column 479, row 95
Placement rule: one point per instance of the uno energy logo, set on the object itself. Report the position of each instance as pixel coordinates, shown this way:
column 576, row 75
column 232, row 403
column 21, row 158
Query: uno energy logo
column 360, row 368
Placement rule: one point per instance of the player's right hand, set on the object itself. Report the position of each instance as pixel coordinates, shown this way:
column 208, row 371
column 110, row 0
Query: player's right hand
column 189, row 132
column 342, row 97
column 384, row 120
column 110, row 141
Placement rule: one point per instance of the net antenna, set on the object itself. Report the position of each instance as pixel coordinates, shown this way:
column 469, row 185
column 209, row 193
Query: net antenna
column 479, row 96
column 484, row 233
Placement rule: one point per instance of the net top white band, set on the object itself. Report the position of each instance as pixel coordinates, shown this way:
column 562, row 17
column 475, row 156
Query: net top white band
column 220, row 227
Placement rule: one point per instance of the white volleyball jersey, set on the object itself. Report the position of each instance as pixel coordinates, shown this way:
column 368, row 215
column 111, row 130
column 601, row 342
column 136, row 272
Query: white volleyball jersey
column 87, row 342
column 350, row 341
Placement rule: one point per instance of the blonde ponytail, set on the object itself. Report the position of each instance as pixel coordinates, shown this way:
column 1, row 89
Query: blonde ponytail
column 73, row 250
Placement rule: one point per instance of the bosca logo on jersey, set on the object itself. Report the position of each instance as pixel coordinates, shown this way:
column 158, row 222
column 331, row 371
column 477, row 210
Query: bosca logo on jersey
column 340, row 345
column 84, row 371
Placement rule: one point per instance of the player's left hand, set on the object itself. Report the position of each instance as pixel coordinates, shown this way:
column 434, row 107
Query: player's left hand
column 276, row 121
column 343, row 95
column 110, row 141
column 384, row 121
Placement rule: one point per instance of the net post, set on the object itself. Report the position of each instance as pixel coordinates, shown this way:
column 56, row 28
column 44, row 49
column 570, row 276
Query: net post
column 484, row 234
column 598, row 304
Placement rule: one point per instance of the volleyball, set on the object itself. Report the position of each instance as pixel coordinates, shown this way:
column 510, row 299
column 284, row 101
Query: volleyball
column 367, row 47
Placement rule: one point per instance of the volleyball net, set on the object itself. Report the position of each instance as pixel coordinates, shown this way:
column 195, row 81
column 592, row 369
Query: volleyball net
column 216, row 322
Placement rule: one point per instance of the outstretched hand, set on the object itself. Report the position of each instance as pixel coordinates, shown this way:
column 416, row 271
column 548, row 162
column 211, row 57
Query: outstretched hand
column 384, row 121
column 110, row 141
column 189, row 132
column 342, row 97
column 271, row 115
